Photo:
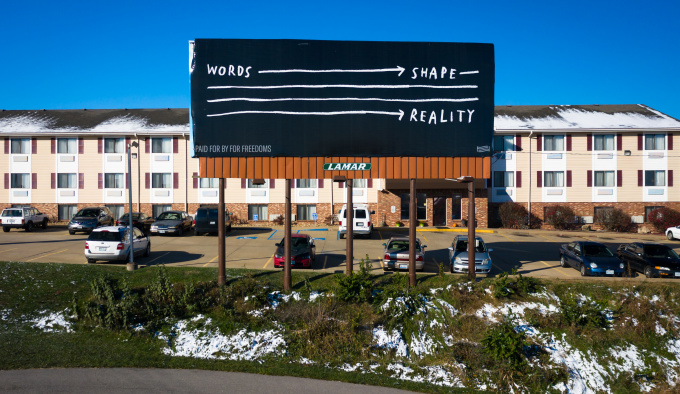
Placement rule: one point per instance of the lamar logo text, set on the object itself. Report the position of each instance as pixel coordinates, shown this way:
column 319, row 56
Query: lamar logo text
column 347, row 166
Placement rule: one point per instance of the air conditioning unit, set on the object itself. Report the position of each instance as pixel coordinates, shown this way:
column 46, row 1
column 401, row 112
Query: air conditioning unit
column 586, row 219
column 637, row 219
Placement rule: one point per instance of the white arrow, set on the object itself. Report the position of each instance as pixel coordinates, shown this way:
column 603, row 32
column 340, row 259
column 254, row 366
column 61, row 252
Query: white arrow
column 449, row 100
column 370, row 70
column 345, row 86
column 400, row 113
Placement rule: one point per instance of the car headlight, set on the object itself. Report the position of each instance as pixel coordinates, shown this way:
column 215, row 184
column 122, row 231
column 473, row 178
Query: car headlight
column 486, row 261
column 593, row 265
column 621, row 266
column 458, row 260
column 663, row 268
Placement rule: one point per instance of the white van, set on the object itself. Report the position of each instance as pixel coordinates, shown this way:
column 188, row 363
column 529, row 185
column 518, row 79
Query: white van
column 362, row 220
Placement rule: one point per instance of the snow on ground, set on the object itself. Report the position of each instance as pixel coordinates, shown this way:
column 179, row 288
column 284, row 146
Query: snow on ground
column 52, row 322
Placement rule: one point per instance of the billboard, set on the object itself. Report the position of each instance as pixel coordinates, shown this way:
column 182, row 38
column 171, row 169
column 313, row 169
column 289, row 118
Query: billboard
column 285, row 98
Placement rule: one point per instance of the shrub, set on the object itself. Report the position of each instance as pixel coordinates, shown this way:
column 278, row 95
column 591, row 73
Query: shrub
column 559, row 216
column 512, row 214
column 613, row 219
column 662, row 218
column 505, row 345
column 278, row 220
column 357, row 286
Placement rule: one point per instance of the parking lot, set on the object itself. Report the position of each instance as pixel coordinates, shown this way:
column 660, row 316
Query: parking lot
column 532, row 252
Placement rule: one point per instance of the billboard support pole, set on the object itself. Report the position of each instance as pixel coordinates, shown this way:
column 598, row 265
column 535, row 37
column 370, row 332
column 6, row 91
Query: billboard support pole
column 349, row 213
column 472, row 242
column 286, row 243
column 221, row 277
column 412, row 218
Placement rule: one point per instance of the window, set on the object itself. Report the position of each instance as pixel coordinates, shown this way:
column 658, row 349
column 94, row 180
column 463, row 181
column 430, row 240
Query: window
column 257, row 209
column 157, row 209
column 421, row 209
column 20, row 181
column 600, row 211
column 114, row 145
column 262, row 186
column 20, row 145
column 604, row 179
column 655, row 178
column 305, row 183
column 504, row 178
column 553, row 142
column 456, row 207
column 306, row 212
column 66, row 212
column 504, row 143
column 553, row 179
column 161, row 145
column 114, row 181
column 649, row 210
column 603, row 142
column 207, row 183
column 67, row 181
column 161, row 181
column 117, row 211
column 358, row 183
column 655, row 142
column 67, row 145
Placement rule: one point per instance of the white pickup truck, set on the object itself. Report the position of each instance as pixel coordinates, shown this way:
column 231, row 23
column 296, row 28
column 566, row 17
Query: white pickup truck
column 27, row 218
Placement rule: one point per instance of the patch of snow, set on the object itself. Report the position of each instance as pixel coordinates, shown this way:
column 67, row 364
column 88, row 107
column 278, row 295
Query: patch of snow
column 53, row 322
column 573, row 118
column 391, row 340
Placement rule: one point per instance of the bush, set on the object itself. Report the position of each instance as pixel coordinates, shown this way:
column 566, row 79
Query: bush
column 559, row 216
column 278, row 220
column 357, row 286
column 663, row 218
column 505, row 345
column 613, row 219
column 512, row 214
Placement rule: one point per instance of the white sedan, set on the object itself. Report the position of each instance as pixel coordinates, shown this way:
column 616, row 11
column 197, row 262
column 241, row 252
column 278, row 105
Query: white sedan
column 673, row 232
column 112, row 243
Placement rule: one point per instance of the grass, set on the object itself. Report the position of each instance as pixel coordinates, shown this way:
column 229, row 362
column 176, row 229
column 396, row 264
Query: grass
column 592, row 317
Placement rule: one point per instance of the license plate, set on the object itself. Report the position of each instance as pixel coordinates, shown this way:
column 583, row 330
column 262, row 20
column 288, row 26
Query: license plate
column 212, row 222
column 677, row 274
column 102, row 249
column 161, row 231
column 403, row 266
column 360, row 225
column 77, row 226
column 10, row 220
column 610, row 272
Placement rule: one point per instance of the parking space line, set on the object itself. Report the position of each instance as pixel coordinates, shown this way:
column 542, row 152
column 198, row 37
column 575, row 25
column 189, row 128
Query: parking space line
column 423, row 235
column 505, row 236
column 45, row 255
column 542, row 236
column 380, row 234
column 211, row 261
column 559, row 269
column 163, row 255
column 267, row 263
column 7, row 250
column 272, row 234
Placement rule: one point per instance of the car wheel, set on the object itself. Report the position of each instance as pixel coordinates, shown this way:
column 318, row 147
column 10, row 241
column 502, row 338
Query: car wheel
column 648, row 271
column 229, row 228
column 44, row 224
column 180, row 231
column 583, row 270
column 5, row 229
column 91, row 261
column 29, row 227
column 71, row 232
column 669, row 236
column 563, row 262
column 342, row 236
column 147, row 252
column 196, row 232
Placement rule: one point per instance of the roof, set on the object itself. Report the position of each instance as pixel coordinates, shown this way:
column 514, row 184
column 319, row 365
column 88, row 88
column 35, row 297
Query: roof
column 586, row 117
column 95, row 121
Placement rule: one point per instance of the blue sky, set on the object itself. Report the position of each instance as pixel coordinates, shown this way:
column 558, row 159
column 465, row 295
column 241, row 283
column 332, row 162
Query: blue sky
column 134, row 54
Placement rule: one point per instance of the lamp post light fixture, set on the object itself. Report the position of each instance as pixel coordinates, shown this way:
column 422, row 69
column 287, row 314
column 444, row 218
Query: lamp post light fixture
column 131, row 266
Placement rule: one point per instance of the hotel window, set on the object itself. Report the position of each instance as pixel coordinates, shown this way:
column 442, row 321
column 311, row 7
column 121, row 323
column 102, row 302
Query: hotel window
column 649, row 210
column 66, row 212
column 209, row 183
column 157, row 209
column 655, row 178
column 306, row 212
column 67, row 145
column 603, row 142
column 67, row 181
column 503, row 143
column 421, row 208
column 358, row 183
column 20, row 145
column 114, row 145
column 553, row 179
column 604, row 179
column 655, row 142
column 116, row 210
column 305, row 183
column 161, row 181
column 553, row 142
column 504, row 178
column 114, row 181
column 257, row 209
column 20, row 181
column 161, row 145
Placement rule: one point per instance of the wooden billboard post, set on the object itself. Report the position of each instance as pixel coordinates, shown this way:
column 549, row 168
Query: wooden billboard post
column 412, row 219
column 349, row 216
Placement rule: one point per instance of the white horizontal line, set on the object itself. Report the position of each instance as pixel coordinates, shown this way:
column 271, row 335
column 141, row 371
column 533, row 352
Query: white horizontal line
column 373, row 70
column 346, row 86
column 400, row 113
column 468, row 72
column 346, row 99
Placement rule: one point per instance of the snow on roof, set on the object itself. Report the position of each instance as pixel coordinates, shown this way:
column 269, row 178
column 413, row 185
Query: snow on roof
column 104, row 121
column 581, row 117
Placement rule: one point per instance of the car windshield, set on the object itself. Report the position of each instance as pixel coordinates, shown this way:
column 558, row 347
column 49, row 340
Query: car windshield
column 462, row 246
column 660, row 251
column 110, row 236
column 88, row 213
column 206, row 213
column 169, row 216
column 395, row 246
column 596, row 251
column 296, row 242
column 11, row 212
column 135, row 216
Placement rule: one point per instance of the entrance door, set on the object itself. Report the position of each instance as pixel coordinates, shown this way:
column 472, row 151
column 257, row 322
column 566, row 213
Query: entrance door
column 439, row 211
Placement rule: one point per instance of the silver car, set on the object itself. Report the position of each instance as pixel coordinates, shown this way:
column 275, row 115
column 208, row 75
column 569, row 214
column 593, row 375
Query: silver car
column 458, row 255
column 396, row 254
column 112, row 243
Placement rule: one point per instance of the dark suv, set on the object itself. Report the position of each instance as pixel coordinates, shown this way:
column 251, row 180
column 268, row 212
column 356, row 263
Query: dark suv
column 87, row 219
column 205, row 220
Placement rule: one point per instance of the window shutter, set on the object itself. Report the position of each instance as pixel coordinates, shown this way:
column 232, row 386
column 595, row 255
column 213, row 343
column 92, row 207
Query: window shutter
column 127, row 143
column 518, row 142
column 568, row 178
column 34, row 146
column 175, row 180
column 81, row 181
column 589, row 178
column 272, row 183
column 670, row 178
column 619, row 141
column 319, row 183
column 619, row 178
column 568, row 142
column 639, row 141
column 53, row 181
column 244, row 183
column 147, row 145
column 7, row 146
column 518, row 178
column 292, row 183
column 341, row 185
column 539, row 142
column 369, row 183
column 53, row 145
column 100, row 145
column 147, row 181
column 175, row 145
column 34, row 181
column 6, row 177
column 539, row 178
column 100, row 181
column 195, row 180
column 589, row 142
column 127, row 180
column 640, row 179
column 670, row 141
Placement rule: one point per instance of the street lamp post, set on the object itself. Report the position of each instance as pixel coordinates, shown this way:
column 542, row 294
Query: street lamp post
column 131, row 266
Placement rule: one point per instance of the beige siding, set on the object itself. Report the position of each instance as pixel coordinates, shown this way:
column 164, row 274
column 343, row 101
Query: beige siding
column 579, row 162
column 42, row 164
column 90, row 164
column 674, row 164
column 629, row 165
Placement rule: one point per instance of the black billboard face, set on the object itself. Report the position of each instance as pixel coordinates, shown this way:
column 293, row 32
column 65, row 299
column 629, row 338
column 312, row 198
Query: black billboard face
column 341, row 98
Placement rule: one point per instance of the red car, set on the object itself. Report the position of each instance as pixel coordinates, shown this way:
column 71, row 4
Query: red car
column 301, row 251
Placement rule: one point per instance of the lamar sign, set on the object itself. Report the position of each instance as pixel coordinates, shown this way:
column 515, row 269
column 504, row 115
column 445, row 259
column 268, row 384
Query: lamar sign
column 347, row 166
column 306, row 98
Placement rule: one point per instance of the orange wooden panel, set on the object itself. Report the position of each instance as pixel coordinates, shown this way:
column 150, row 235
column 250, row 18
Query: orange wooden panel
column 273, row 167
column 487, row 167
column 258, row 168
column 219, row 167
column 266, row 168
column 375, row 168
column 464, row 168
column 412, row 168
column 242, row 168
column 225, row 167
column 290, row 168
column 396, row 174
column 202, row 163
column 304, row 168
column 210, row 168
column 388, row 165
column 452, row 167
column 382, row 170
column 420, row 167
column 441, row 167
column 335, row 159
column 297, row 168
column 311, row 168
column 281, row 168
column 479, row 167
column 427, row 167
column 250, row 168
column 405, row 162
column 344, row 173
